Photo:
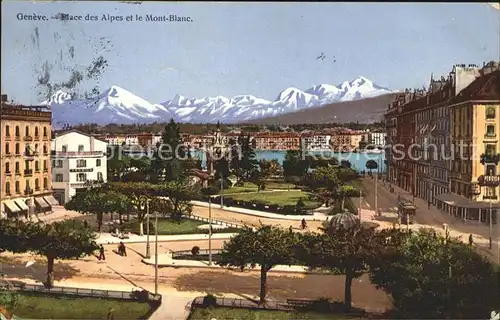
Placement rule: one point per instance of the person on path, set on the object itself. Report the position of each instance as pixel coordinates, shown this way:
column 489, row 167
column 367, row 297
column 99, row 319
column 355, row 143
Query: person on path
column 471, row 240
column 123, row 249
column 303, row 224
column 290, row 229
column 101, row 253
column 111, row 314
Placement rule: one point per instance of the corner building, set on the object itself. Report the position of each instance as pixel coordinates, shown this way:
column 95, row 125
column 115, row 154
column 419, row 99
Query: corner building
column 25, row 171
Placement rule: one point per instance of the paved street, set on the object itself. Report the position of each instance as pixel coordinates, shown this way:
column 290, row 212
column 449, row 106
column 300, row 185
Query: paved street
column 433, row 217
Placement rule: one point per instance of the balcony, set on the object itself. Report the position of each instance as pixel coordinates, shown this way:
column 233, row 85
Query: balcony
column 45, row 137
column 28, row 191
column 8, row 173
column 37, row 137
column 30, row 154
column 17, row 138
column 82, row 170
column 8, row 154
column 28, row 172
column 70, row 154
column 490, row 158
column 28, row 138
column 18, row 173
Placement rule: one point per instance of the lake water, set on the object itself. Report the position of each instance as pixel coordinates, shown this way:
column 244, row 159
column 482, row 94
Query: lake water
column 358, row 160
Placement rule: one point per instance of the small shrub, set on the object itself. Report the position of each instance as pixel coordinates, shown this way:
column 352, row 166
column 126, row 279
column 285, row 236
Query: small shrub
column 209, row 300
column 195, row 251
column 141, row 295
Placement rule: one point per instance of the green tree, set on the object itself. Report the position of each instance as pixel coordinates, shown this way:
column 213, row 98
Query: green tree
column 294, row 165
column 67, row 239
column 118, row 163
column 98, row 199
column 341, row 251
column 269, row 168
column 267, row 247
column 180, row 195
column 62, row 240
column 170, row 153
column 322, row 177
column 371, row 165
column 247, row 162
column 430, row 277
column 342, row 193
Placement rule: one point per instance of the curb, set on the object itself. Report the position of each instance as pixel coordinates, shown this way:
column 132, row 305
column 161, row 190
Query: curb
column 214, row 266
column 224, row 237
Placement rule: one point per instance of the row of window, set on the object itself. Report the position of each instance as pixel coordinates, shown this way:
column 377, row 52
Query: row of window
column 80, row 163
column 80, row 177
column 26, row 166
column 27, row 131
column 27, row 148
column 18, row 186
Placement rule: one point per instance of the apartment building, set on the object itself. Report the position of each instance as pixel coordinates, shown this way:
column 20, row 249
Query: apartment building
column 441, row 134
column 25, row 160
column 390, row 119
column 316, row 142
column 377, row 139
column 475, row 124
column 277, row 141
column 77, row 158
column 346, row 141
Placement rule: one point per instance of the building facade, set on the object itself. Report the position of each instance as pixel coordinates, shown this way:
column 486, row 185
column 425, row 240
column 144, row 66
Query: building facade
column 447, row 139
column 316, row 142
column 76, row 159
column 25, row 160
column 346, row 141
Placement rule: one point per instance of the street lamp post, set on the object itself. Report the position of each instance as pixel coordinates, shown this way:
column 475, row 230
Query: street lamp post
column 144, row 204
column 209, row 230
column 156, row 253
column 376, row 194
column 148, row 249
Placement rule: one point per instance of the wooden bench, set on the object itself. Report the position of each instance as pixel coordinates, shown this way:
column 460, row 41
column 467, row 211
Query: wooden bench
column 299, row 302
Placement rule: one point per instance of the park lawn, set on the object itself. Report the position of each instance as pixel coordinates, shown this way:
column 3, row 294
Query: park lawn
column 252, row 187
column 280, row 198
column 221, row 313
column 247, row 187
column 167, row 226
column 39, row 306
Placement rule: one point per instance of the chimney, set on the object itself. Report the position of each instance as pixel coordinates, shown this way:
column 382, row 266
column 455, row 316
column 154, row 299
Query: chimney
column 91, row 143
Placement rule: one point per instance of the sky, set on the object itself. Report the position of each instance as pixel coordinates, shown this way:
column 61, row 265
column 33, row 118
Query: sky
column 230, row 49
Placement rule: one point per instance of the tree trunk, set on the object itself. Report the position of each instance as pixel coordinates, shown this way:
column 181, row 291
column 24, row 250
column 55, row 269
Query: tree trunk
column 121, row 218
column 342, row 203
column 50, row 272
column 99, row 221
column 347, row 291
column 263, row 285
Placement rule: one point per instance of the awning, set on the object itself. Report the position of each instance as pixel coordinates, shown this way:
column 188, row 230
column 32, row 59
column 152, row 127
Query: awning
column 9, row 204
column 456, row 200
column 22, row 204
column 41, row 203
column 51, row 200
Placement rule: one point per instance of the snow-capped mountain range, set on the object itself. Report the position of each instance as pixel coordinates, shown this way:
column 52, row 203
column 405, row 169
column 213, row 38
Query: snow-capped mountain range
column 118, row 105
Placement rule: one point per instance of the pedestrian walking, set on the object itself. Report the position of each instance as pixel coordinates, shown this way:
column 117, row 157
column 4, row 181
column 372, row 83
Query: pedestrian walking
column 111, row 314
column 124, row 249
column 303, row 224
column 101, row 253
column 290, row 229
column 471, row 240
